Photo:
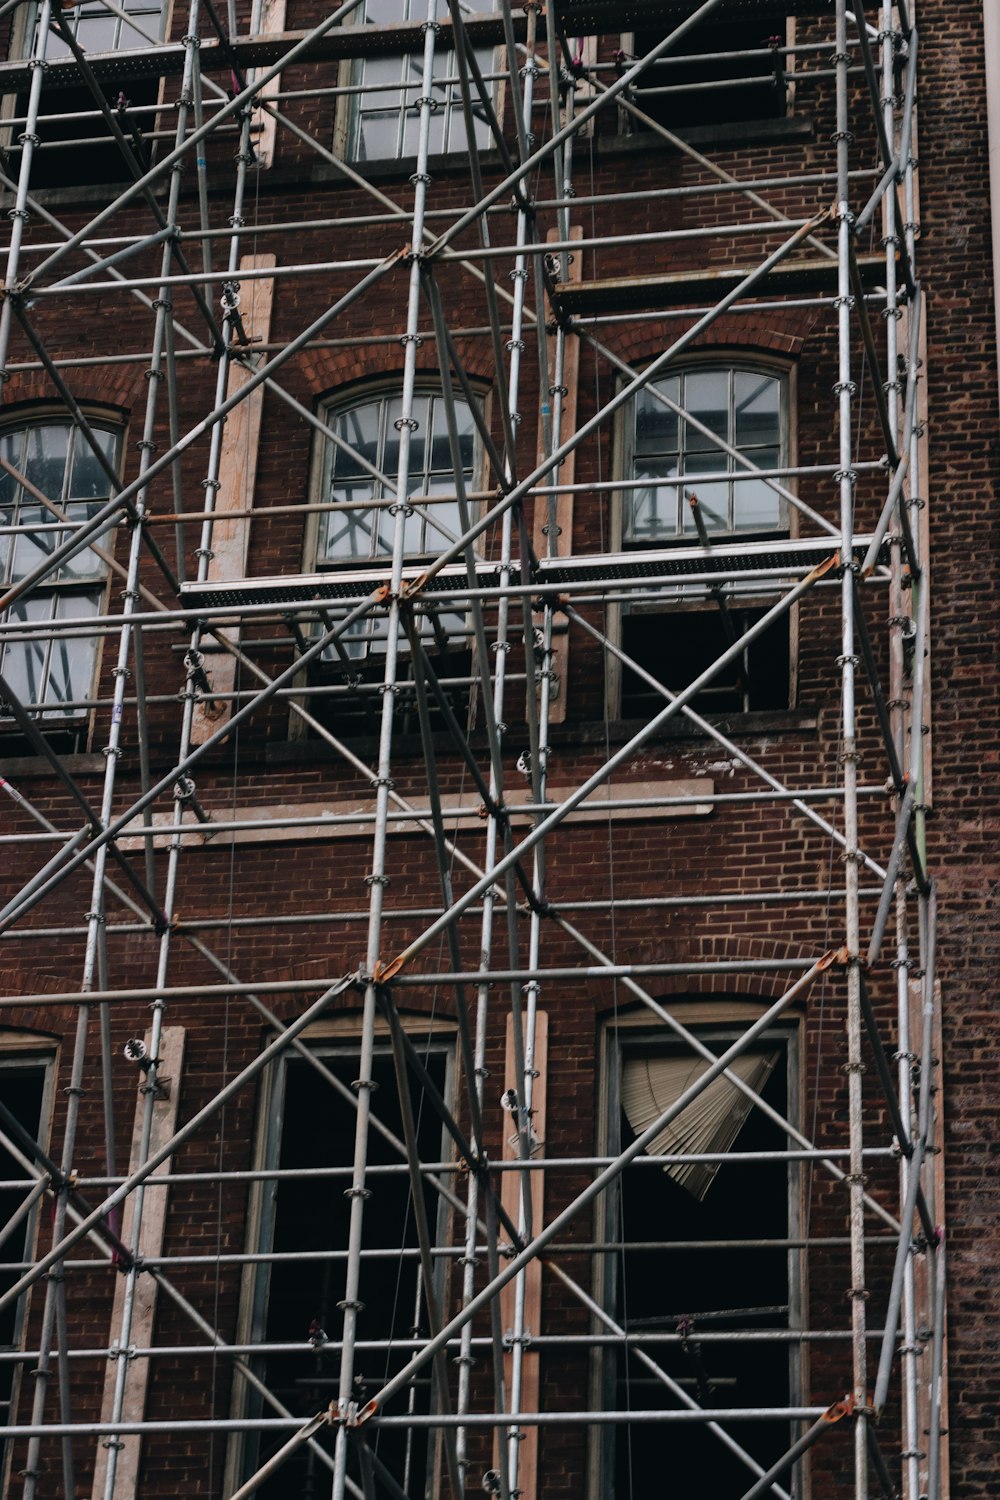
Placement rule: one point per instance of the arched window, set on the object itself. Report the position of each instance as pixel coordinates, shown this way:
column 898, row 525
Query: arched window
column 702, row 450
column 355, row 477
column 743, row 407
column 56, row 478
column 360, row 476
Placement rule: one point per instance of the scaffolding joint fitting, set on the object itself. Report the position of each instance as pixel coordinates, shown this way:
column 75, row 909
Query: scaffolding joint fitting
column 839, row 1409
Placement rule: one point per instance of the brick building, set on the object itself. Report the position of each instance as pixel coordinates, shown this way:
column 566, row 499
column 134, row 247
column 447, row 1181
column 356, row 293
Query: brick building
column 497, row 669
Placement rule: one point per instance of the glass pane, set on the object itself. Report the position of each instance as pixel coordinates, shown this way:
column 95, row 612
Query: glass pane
column 359, row 428
column 72, row 660
column 98, row 33
column 45, row 461
column 381, row 12
column 88, row 480
column 348, row 533
column 706, row 396
column 757, row 409
column 441, row 521
column 377, row 139
column 132, row 38
column 655, row 424
column 32, row 548
column 85, row 564
column 24, row 661
column 652, row 512
column 713, row 498
column 756, row 506
column 10, row 451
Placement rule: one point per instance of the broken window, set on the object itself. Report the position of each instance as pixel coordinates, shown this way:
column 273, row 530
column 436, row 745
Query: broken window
column 698, row 1269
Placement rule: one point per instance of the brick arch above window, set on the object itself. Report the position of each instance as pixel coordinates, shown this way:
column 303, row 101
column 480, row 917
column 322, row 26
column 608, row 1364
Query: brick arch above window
column 709, row 948
column 122, row 388
column 331, row 373
column 781, row 334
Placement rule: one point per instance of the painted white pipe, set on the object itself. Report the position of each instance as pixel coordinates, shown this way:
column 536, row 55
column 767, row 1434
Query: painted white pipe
column 991, row 48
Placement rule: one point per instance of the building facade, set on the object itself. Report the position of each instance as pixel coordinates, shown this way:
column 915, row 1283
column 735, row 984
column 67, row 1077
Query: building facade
column 498, row 667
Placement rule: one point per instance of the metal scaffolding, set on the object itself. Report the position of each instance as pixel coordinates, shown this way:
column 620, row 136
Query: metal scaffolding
column 455, row 740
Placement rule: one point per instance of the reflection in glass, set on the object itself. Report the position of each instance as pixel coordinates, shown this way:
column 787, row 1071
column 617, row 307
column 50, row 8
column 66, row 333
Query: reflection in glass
column 52, row 459
column 717, row 405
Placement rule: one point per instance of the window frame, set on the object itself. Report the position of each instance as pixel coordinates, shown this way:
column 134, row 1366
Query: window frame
column 360, row 667
column 341, row 1037
column 24, row 1050
column 721, row 1018
column 747, row 125
column 347, row 114
column 95, row 584
column 732, row 359
column 340, row 402
column 21, row 38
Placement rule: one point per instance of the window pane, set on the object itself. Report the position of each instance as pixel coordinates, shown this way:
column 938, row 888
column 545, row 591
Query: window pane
column 656, row 424
column 706, row 396
column 88, row 479
column 45, row 461
column 97, row 33
column 24, row 661
column 71, row 659
column 653, row 511
column 358, row 428
column 756, row 504
column 756, row 409
column 85, row 564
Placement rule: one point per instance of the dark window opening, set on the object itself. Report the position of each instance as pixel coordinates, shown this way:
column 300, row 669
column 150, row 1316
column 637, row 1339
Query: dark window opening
column 352, row 705
column 82, row 152
column 658, row 1285
column 299, row 1299
column 22, row 1085
column 677, row 647
column 716, row 87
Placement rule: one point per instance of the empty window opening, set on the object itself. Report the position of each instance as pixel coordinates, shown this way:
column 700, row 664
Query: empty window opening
column 22, row 1088
column 676, row 648
column 722, row 73
column 298, row 1299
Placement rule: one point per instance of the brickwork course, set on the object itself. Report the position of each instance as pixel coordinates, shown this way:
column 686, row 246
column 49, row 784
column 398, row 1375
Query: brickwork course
column 441, row 748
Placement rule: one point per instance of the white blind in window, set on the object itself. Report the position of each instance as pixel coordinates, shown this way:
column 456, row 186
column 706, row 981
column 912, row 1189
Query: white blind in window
column 710, row 1123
